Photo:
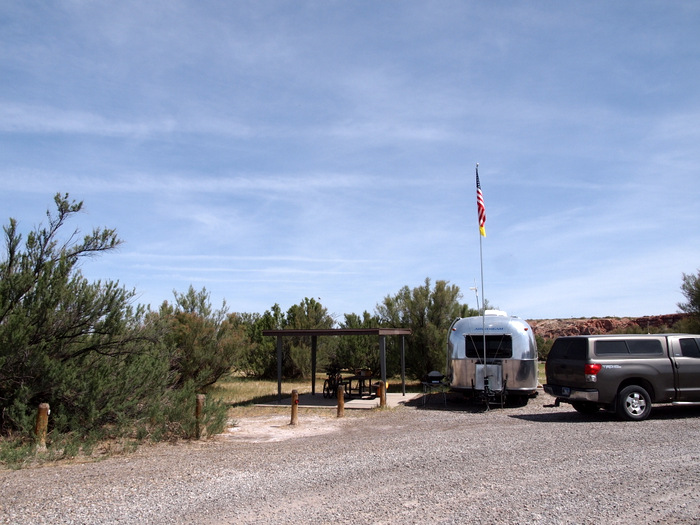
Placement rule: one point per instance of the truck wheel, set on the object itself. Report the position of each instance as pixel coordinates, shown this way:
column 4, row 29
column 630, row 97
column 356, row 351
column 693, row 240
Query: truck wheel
column 585, row 408
column 633, row 403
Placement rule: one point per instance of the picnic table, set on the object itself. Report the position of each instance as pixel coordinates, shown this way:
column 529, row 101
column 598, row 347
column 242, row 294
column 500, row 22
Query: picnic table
column 360, row 384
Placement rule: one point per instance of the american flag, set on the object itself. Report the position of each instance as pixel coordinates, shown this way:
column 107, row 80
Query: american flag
column 480, row 205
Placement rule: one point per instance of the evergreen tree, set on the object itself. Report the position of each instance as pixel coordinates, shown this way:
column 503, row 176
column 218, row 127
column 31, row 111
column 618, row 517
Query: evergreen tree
column 77, row 345
column 691, row 291
column 428, row 313
column 360, row 351
column 203, row 342
column 258, row 356
column 308, row 314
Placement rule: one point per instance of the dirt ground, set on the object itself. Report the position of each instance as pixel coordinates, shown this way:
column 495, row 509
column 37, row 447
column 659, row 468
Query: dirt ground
column 259, row 424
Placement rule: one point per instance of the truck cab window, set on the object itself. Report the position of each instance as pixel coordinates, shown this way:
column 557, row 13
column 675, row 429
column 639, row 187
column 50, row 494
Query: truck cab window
column 689, row 348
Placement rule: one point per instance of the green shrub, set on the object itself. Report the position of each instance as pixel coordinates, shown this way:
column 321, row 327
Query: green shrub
column 203, row 344
column 16, row 453
column 543, row 347
column 174, row 417
column 428, row 313
column 104, row 367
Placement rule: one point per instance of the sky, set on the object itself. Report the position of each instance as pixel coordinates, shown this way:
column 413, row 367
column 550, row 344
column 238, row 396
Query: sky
column 280, row 150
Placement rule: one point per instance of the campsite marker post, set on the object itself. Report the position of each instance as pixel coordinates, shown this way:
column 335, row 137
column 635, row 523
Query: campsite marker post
column 42, row 422
column 341, row 401
column 198, row 411
column 295, row 408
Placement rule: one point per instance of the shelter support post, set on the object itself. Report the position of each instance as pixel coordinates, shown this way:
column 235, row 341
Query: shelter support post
column 279, row 368
column 382, row 357
column 403, row 366
column 313, row 364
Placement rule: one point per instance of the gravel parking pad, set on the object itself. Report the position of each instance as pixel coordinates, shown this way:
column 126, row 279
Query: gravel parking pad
column 410, row 464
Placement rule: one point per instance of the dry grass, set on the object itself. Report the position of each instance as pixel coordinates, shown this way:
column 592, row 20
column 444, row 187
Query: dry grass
column 242, row 391
column 245, row 394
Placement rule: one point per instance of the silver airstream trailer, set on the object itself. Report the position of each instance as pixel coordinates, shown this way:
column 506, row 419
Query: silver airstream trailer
column 506, row 371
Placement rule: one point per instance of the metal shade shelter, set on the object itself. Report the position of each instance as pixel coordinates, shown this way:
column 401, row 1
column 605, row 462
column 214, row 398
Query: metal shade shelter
column 314, row 334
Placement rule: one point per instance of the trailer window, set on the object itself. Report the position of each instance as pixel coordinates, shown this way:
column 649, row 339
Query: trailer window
column 497, row 346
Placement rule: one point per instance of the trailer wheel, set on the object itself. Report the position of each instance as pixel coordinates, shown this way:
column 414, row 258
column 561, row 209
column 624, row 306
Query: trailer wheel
column 517, row 401
column 633, row 403
column 585, row 408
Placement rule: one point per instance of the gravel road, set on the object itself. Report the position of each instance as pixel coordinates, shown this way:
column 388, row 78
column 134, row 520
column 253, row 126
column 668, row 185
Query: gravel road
column 405, row 465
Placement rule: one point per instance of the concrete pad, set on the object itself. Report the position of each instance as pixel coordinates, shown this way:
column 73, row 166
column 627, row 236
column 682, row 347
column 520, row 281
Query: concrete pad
column 367, row 402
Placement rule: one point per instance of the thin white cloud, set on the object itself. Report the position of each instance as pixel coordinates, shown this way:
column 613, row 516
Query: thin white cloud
column 28, row 119
column 149, row 183
column 217, row 258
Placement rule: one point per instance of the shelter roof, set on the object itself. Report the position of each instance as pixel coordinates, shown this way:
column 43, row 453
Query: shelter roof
column 341, row 331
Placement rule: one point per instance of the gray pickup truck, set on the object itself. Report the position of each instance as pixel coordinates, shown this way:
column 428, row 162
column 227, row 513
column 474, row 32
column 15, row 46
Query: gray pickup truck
column 624, row 373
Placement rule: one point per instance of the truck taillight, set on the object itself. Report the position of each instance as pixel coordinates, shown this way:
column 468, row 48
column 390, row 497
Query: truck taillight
column 591, row 370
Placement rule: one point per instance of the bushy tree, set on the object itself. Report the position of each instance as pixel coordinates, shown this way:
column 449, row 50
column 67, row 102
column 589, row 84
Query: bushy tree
column 691, row 290
column 308, row 314
column 203, row 343
column 100, row 363
column 360, row 351
column 258, row 356
column 428, row 313
column 77, row 345
column 543, row 347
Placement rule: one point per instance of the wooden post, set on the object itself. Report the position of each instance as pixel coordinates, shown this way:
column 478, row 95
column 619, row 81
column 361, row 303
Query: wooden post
column 295, row 408
column 341, row 401
column 382, row 394
column 42, row 422
column 199, row 409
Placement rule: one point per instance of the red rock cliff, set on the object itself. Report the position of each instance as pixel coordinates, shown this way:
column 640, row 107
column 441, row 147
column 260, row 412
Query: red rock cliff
column 552, row 328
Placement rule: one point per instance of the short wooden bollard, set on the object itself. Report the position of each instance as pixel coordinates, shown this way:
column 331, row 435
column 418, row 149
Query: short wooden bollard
column 198, row 411
column 382, row 394
column 295, row 408
column 341, row 401
column 42, row 423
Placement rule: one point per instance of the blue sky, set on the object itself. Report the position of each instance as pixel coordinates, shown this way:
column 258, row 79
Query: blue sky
column 271, row 151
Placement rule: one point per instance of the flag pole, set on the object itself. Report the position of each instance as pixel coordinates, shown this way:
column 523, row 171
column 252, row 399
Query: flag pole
column 483, row 297
column 482, row 220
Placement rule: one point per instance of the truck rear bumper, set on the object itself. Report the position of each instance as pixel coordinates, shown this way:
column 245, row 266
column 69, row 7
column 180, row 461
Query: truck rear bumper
column 568, row 395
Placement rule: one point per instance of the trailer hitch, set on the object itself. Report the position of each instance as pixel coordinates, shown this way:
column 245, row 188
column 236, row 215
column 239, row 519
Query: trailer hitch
column 557, row 403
